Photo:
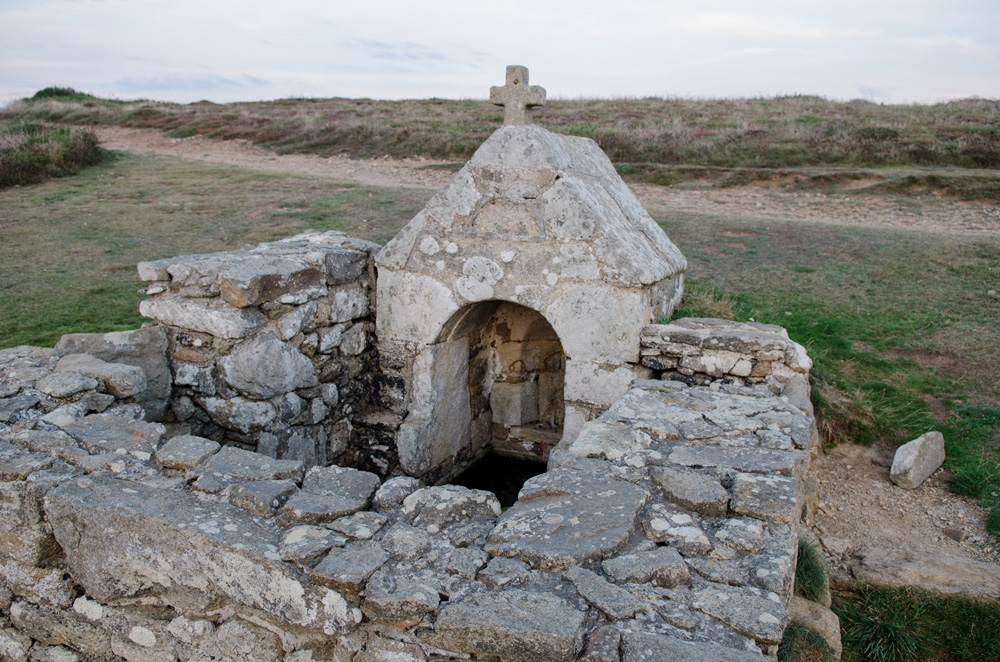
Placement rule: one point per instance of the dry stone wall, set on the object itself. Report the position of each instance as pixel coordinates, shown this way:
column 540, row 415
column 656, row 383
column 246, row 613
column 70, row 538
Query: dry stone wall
column 271, row 348
column 666, row 528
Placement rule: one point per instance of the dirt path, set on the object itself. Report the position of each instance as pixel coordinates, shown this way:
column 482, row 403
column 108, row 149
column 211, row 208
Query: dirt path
column 754, row 202
column 861, row 507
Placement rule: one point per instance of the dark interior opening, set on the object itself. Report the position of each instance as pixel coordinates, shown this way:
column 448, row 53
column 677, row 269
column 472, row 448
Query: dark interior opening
column 503, row 475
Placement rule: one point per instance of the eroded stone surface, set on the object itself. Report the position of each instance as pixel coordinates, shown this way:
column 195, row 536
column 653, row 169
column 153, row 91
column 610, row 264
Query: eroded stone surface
column 516, row 625
column 591, row 521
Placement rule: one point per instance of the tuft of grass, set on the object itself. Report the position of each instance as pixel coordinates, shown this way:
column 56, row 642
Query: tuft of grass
column 31, row 152
column 895, row 625
column 187, row 132
column 803, row 644
column 810, row 571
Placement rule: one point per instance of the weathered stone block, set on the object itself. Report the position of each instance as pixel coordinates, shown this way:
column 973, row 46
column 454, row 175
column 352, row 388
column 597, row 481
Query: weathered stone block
column 695, row 491
column 591, row 519
column 185, row 451
column 267, row 366
column 916, row 460
column 194, row 552
column 213, row 317
column 514, row 403
column 515, row 625
column 663, row 566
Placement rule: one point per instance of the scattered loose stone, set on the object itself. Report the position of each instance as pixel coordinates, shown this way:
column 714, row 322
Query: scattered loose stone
column 617, row 603
column 818, row 618
column 185, row 451
column 515, row 625
column 663, row 566
column 916, row 460
column 501, row 572
column 262, row 498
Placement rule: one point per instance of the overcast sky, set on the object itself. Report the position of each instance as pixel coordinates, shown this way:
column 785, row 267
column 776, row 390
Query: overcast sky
column 226, row 50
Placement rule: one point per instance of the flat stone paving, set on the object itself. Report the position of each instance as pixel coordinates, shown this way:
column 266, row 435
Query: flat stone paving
column 679, row 546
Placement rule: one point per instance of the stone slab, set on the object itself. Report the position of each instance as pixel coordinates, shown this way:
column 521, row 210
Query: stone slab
column 767, row 497
column 515, row 625
column 107, row 433
column 181, row 551
column 663, row 566
column 590, row 522
column 695, row 491
column 185, row 451
column 648, row 647
column 616, row 602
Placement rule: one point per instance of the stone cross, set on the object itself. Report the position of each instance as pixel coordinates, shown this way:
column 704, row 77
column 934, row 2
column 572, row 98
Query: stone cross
column 517, row 97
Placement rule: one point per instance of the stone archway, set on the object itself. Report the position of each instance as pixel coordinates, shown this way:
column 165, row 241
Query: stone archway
column 492, row 380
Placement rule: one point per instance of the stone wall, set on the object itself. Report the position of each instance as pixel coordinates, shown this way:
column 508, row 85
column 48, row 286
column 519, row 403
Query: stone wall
column 271, row 348
column 667, row 528
column 669, row 522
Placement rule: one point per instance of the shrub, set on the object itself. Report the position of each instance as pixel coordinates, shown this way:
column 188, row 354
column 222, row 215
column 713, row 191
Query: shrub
column 31, row 152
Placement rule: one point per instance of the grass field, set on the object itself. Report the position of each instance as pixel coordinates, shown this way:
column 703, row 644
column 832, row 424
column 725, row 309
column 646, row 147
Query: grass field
column 901, row 324
column 814, row 141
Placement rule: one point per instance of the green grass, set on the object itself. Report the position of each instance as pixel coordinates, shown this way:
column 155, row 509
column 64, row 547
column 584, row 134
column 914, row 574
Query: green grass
column 810, row 571
column 897, row 625
column 67, row 262
column 894, row 321
column 802, row 644
column 31, row 152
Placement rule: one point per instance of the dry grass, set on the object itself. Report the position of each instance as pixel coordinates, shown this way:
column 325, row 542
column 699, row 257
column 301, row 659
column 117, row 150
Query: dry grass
column 753, row 133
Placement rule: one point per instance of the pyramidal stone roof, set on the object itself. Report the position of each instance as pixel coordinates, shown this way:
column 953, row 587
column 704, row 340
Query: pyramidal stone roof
column 529, row 210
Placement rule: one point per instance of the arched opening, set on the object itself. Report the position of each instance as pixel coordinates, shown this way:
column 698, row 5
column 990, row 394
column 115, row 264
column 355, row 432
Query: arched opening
column 515, row 376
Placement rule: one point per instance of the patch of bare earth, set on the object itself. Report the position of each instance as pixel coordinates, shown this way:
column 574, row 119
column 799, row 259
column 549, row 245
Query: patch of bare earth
column 760, row 201
column 934, row 213
column 416, row 172
column 873, row 530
